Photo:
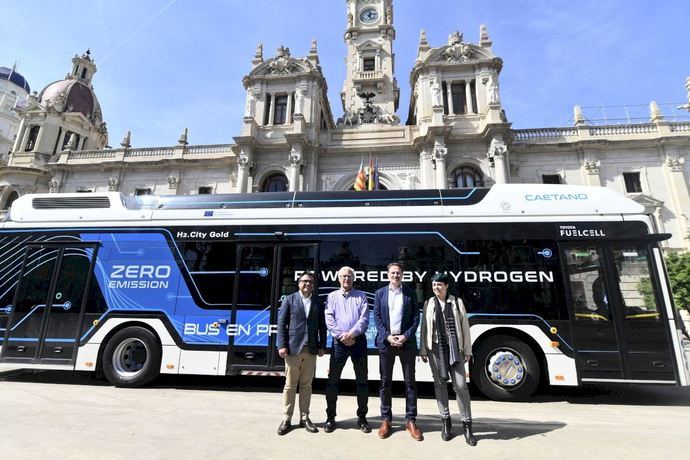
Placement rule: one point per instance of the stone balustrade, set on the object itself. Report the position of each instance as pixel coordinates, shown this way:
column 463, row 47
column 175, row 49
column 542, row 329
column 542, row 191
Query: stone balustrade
column 574, row 134
column 369, row 75
column 148, row 153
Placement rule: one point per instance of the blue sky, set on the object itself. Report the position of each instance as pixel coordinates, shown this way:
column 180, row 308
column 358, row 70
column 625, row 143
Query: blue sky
column 165, row 65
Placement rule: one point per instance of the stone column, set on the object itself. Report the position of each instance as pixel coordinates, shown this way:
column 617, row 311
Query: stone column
column 449, row 96
column 288, row 115
column 20, row 136
column 25, row 139
column 440, row 154
column 468, row 97
column 498, row 154
column 680, row 196
column 244, row 163
column 426, row 177
column 272, row 109
column 295, row 168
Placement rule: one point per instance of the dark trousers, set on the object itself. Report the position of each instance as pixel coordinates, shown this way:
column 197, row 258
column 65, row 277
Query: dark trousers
column 339, row 354
column 407, row 356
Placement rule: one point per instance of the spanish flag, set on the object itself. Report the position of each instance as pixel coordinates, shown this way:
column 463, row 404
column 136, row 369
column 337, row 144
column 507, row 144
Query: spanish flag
column 360, row 181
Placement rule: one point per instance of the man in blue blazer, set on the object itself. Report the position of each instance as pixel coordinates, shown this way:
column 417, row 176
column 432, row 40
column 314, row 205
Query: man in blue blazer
column 397, row 317
column 301, row 337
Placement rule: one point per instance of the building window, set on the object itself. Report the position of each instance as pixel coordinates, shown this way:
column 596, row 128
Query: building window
column 83, row 72
column 368, row 64
column 459, row 100
column 466, row 177
column 142, row 191
column 280, row 116
column 444, row 93
column 275, row 183
column 551, row 178
column 267, row 110
column 207, row 190
column 33, row 135
column 632, row 182
column 84, row 190
column 68, row 136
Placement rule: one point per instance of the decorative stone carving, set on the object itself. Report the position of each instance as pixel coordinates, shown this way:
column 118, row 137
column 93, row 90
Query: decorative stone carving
column 243, row 161
column 72, row 143
column 58, row 103
column 54, row 186
column 440, row 153
column 350, row 20
column 674, row 161
column 389, row 15
column 32, row 101
column 126, row 141
column 282, row 64
column 591, row 165
column 173, row 182
column 348, row 118
column 493, row 91
column 578, row 117
column 299, row 100
column 183, row 137
column 435, row 92
column 655, row 114
column 296, row 158
column 250, row 105
column 113, row 184
column 457, row 50
column 497, row 149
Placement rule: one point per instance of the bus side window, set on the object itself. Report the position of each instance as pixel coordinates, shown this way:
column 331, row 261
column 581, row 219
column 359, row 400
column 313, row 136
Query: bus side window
column 635, row 282
column 588, row 293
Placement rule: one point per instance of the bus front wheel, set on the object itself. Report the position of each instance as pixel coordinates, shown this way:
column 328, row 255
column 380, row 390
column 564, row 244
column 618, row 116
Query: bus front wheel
column 505, row 369
column 132, row 357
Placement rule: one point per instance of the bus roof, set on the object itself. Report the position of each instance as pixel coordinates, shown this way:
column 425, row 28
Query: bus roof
column 502, row 200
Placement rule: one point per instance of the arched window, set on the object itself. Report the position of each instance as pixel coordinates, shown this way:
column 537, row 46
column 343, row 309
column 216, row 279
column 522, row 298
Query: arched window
column 276, row 182
column 10, row 199
column 466, row 177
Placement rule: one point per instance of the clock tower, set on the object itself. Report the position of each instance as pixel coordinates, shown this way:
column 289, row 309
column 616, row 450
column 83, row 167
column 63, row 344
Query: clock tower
column 370, row 64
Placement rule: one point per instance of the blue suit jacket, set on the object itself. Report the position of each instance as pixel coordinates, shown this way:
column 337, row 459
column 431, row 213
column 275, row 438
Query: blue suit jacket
column 293, row 324
column 410, row 319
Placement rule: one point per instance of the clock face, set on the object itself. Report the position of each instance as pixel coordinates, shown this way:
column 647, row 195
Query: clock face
column 369, row 15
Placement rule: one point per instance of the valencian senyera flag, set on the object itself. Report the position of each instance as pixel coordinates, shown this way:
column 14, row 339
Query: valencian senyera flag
column 360, row 180
column 370, row 175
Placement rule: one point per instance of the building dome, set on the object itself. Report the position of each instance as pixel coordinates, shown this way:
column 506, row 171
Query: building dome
column 70, row 95
column 15, row 77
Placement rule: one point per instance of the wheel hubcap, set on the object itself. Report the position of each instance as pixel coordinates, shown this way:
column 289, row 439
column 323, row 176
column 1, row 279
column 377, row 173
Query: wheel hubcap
column 129, row 358
column 506, row 368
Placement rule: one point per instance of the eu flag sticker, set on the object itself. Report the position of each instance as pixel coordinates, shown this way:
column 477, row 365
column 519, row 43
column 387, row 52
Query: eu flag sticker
column 208, row 213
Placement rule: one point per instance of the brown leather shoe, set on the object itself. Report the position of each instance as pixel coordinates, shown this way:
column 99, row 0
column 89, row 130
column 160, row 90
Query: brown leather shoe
column 415, row 432
column 385, row 429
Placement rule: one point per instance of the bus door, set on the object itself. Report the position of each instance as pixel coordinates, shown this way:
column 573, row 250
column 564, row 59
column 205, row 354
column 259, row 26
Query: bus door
column 617, row 321
column 49, row 303
column 265, row 274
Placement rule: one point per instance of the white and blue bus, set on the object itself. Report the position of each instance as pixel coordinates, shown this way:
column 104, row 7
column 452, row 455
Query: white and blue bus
column 563, row 284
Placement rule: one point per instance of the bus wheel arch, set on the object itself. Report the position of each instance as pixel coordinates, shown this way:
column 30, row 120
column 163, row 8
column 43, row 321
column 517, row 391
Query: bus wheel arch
column 499, row 348
column 130, row 355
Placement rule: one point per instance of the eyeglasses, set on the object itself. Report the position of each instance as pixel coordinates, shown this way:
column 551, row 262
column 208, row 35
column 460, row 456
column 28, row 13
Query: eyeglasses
column 345, row 277
column 306, row 281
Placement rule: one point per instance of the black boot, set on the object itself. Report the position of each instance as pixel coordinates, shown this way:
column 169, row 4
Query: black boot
column 469, row 436
column 446, row 429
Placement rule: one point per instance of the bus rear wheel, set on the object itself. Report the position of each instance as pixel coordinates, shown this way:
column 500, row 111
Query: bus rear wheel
column 505, row 369
column 132, row 357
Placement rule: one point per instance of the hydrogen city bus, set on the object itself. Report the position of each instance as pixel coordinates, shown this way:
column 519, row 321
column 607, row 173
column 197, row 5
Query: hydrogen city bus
column 563, row 284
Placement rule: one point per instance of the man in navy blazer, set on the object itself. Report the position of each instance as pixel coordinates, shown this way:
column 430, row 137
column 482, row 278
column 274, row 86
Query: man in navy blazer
column 397, row 318
column 301, row 337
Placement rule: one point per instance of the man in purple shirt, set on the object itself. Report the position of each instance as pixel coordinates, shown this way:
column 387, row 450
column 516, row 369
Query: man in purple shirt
column 347, row 319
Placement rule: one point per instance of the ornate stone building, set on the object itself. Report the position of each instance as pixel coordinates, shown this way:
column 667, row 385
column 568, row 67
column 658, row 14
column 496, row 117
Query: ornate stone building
column 455, row 133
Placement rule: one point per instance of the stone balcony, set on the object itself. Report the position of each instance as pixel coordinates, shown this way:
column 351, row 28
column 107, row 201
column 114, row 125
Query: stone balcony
column 368, row 75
